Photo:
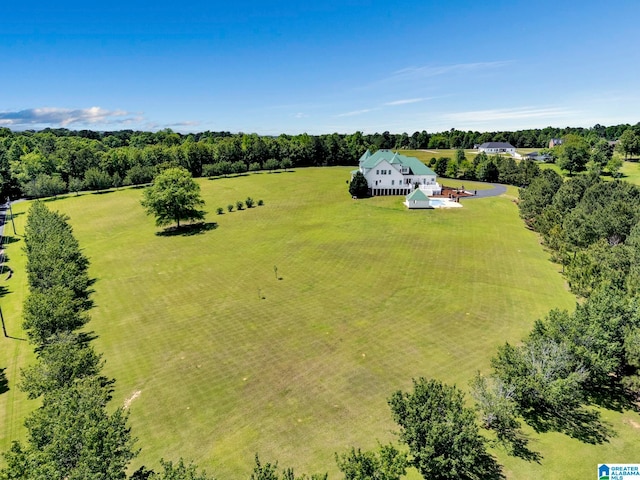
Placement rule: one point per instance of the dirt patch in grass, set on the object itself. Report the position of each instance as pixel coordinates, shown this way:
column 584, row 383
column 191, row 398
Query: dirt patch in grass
column 633, row 423
column 134, row 395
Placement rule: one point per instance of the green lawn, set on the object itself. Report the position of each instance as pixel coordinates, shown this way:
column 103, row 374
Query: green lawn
column 222, row 360
column 426, row 155
column 631, row 172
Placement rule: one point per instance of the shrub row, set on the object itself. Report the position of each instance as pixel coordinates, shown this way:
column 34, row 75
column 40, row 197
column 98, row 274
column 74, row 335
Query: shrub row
column 239, row 205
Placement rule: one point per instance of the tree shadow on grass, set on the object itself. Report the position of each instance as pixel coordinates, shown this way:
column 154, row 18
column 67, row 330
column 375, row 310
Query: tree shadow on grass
column 579, row 423
column 4, row 382
column 231, row 175
column 8, row 239
column 52, row 199
column 613, row 396
column 102, row 192
column 188, row 230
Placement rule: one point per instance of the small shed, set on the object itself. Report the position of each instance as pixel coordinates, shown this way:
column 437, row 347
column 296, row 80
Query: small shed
column 417, row 199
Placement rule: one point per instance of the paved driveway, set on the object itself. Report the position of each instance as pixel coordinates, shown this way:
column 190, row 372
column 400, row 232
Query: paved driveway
column 492, row 192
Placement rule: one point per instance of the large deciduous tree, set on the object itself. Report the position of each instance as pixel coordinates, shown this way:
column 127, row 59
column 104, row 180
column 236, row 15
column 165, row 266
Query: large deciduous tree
column 573, row 154
column 442, row 435
column 629, row 143
column 173, row 196
column 386, row 464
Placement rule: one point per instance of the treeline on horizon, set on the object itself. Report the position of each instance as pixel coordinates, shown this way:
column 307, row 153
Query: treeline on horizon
column 53, row 161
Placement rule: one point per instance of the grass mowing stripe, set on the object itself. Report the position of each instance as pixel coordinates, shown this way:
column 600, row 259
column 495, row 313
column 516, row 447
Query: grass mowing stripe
column 371, row 295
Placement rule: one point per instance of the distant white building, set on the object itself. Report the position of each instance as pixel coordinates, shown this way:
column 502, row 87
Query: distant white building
column 497, row 147
column 389, row 173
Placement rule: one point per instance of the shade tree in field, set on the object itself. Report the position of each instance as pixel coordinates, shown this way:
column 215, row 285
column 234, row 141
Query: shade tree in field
column 269, row 471
column 387, row 463
column 573, row 154
column 601, row 153
column 629, row 143
column 443, row 438
column 173, row 197
column 171, row 471
column 499, row 413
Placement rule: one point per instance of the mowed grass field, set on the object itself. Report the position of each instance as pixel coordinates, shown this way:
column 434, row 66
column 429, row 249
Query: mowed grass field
column 218, row 358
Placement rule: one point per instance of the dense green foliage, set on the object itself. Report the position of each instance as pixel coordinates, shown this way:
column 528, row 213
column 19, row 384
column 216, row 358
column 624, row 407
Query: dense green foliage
column 572, row 360
column 388, row 463
column 442, row 435
column 590, row 225
column 486, row 168
column 93, row 236
column 172, row 197
column 53, row 161
column 358, row 187
column 71, row 435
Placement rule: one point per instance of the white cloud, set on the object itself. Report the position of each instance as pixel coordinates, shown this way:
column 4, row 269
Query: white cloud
column 356, row 112
column 64, row 117
column 433, row 71
column 481, row 116
column 404, row 102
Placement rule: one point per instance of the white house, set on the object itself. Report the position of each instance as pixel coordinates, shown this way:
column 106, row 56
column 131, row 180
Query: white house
column 497, row 147
column 389, row 173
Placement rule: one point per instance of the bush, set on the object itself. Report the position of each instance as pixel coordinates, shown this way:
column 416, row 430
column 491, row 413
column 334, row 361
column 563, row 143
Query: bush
column 139, row 174
column 286, row 163
column 230, row 208
column 272, row 164
column 219, row 210
column 238, row 167
column 254, row 167
column 96, row 179
column 249, row 202
column 209, row 170
column 260, row 203
column 358, row 187
column 75, row 185
column 239, row 205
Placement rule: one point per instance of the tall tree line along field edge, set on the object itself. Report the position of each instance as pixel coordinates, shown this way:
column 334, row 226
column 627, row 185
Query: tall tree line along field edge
column 218, row 359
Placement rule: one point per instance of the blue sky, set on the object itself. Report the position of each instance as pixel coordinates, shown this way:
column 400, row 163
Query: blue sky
column 274, row 67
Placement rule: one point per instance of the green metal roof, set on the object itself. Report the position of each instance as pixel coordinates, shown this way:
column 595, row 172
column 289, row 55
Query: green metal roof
column 415, row 165
column 365, row 155
column 395, row 160
column 417, row 195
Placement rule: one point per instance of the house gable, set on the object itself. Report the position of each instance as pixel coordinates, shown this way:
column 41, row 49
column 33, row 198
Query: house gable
column 389, row 173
